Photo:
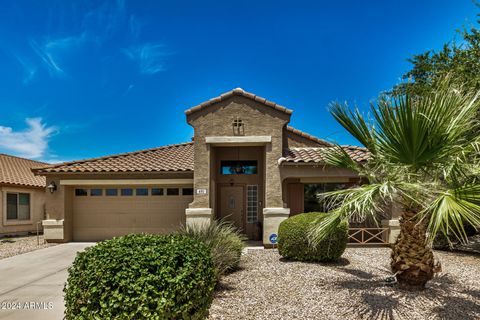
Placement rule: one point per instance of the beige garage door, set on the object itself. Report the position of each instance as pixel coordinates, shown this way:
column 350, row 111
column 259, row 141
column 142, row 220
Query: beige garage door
column 100, row 217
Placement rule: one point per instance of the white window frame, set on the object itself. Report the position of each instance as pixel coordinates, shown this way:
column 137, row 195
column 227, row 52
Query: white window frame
column 13, row 222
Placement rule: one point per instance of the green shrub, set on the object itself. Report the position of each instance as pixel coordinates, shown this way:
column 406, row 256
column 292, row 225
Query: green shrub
column 223, row 239
column 141, row 277
column 293, row 243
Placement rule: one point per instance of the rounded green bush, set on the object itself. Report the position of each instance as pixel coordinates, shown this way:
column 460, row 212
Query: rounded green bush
column 293, row 242
column 141, row 277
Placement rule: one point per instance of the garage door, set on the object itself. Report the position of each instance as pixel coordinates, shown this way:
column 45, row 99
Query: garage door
column 103, row 213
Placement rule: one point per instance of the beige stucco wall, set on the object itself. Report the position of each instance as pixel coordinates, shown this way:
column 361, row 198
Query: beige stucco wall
column 37, row 210
column 259, row 120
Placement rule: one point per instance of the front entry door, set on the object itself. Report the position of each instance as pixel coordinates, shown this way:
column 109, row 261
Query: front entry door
column 232, row 205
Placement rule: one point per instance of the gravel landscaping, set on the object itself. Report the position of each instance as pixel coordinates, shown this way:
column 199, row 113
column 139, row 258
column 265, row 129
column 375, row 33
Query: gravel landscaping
column 11, row 246
column 268, row 287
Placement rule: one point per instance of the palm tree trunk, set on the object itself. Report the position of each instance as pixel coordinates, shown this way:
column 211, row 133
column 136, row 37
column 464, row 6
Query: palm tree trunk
column 412, row 257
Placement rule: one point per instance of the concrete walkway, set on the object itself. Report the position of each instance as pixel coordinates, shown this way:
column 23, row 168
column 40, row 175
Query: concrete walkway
column 33, row 282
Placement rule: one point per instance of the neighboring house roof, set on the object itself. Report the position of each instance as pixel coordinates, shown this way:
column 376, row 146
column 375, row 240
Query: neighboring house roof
column 238, row 92
column 309, row 136
column 17, row 171
column 178, row 157
column 317, row 155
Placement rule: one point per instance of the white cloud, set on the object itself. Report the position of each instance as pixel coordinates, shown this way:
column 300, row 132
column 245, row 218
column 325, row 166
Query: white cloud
column 47, row 59
column 29, row 143
column 66, row 42
column 49, row 51
column 150, row 57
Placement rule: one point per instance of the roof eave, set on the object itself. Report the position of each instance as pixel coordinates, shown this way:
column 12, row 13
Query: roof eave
column 19, row 185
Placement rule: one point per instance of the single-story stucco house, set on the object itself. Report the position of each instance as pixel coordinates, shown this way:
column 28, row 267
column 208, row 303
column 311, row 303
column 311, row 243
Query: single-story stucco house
column 244, row 163
column 22, row 195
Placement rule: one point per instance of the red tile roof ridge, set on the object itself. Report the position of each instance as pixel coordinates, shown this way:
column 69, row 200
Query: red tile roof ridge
column 238, row 92
column 308, row 136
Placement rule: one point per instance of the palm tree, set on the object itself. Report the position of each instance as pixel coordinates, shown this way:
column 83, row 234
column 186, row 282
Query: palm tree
column 424, row 156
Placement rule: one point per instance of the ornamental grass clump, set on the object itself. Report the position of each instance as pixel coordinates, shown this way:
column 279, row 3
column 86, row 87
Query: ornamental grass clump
column 223, row 239
column 293, row 239
column 141, row 277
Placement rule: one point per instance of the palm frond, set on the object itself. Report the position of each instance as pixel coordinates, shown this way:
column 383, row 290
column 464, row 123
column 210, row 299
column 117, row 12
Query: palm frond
column 323, row 226
column 354, row 122
column 338, row 157
column 364, row 202
column 426, row 130
column 451, row 209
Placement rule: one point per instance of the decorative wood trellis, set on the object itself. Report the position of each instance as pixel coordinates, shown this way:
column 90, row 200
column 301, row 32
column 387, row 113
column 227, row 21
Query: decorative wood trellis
column 368, row 236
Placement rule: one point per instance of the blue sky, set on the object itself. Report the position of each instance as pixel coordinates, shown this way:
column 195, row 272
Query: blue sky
column 82, row 79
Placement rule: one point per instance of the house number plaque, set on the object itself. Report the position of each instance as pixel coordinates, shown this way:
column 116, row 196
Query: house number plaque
column 200, row 191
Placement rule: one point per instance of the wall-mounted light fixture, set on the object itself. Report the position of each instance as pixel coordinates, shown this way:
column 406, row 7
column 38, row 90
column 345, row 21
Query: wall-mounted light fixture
column 52, row 187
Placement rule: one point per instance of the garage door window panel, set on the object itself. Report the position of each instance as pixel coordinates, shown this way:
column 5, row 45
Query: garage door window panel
column 173, row 192
column 126, row 192
column 81, row 192
column 157, row 191
column 111, row 192
column 141, row 192
column 96, row 192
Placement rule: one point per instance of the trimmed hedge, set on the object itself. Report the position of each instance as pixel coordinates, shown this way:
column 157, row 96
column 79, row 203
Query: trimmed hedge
column 141, row 277
column 293, row 241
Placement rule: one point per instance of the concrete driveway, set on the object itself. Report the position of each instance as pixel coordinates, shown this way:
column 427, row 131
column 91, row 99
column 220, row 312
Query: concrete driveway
column 33, row 282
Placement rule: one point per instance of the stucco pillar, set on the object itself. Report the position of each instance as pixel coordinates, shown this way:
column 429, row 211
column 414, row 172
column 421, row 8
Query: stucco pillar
column 201, row 174
column 199, row 211
column 394, row 229
column 273, row 179
column 272, row 217
column 198, row 216
column 57, row 227
column 393, row 223
column 53, row 230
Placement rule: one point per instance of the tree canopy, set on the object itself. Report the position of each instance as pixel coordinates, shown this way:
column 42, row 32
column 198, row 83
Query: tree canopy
column 459, row 60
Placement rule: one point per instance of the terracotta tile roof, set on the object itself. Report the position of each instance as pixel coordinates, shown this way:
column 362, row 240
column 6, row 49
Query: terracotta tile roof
column 317, row 155
column 238, row 92
column 17, row 171
column 177, row 157
column 309, row 136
